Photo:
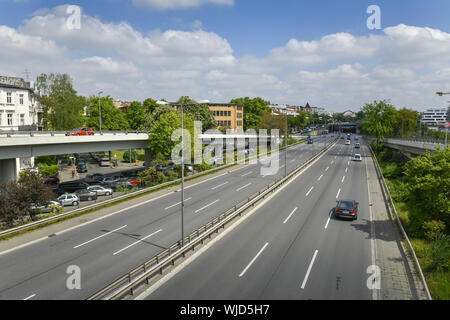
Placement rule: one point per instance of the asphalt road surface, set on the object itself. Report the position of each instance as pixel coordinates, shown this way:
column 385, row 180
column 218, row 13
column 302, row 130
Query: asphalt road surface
column 107, row 248
column 292, row 247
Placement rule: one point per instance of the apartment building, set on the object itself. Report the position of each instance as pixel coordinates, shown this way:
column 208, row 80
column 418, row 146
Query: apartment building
column 434, row 117
column 18, row 108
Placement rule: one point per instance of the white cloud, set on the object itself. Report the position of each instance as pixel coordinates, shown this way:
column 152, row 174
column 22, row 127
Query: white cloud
column 178, row 4
column 338, row 71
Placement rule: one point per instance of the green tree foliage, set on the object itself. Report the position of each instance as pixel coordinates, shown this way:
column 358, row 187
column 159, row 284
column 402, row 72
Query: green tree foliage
column 380, row 117
column 135, row 115
column 404, row 122
column 112, row 118
column 270, row 121
column 46, row 171
column 149, row 105
column 161, row 143
column 186, row 100
column 130, row 156
column 63, row 108
column 428, row 177
column 201, row 112
column 254, row 109
column 151, row 118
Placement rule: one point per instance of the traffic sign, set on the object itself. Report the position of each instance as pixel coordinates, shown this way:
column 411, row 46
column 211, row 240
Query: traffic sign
column 446, row 125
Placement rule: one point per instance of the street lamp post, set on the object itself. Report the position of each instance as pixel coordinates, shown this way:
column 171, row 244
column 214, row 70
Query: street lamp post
column 285, row 145
column 446, row 128
column 182, row 178
column 100, row 111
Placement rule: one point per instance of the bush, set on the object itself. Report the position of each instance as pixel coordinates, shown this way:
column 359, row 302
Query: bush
column 171, row 175
column 433, row 228
column 46, row 171
column 45, row 161
column 128, row 158
column 204, row 167
column 440, row 253
column 399, row 190
column 392, row 171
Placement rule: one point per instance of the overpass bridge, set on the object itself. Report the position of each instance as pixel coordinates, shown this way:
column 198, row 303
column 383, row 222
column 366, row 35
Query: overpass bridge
column 14, row 146
column 413, row 147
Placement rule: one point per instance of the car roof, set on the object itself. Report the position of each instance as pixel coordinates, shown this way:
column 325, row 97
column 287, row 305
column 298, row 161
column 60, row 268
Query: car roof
column 352, row 202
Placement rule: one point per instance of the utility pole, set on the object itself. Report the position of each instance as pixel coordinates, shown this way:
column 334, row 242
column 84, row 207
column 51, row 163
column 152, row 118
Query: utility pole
column 285, row 144
column 182, row 178
column 100, row 112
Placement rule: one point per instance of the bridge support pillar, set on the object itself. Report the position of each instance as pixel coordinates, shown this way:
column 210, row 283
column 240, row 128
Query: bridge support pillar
column 148, row 158
column 9, row 170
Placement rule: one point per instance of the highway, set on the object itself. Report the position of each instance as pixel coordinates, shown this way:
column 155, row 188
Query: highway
column 107, row 248
column 291, row 247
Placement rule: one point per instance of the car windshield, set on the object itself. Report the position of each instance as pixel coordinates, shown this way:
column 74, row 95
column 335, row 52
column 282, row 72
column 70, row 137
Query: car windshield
column 346, row 204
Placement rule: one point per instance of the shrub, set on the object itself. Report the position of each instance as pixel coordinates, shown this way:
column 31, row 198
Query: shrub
column 171, row 175
column 46, row 171
column 45, row 161
column 130, row 157
column 392, row 171
column 433, row 228
column 399, row 190
column 440, row 253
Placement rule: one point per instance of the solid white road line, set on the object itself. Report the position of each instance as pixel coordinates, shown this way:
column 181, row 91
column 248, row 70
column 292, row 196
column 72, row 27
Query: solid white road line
column 253, row 260
column 338, row 193
column 309, row 269
column 28, row 298
column 320, row 178
column 208, row 205
column 290, row 215
column 247, row 174
column 343, row 178
column 134, row 243
column 244, row 186
column 103, row 235
column 177, row 204
column 309, row 191
column 327, row 169
column 220, row 185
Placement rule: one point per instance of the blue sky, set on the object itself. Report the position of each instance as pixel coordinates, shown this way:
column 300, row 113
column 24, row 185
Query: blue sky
column 249, row 33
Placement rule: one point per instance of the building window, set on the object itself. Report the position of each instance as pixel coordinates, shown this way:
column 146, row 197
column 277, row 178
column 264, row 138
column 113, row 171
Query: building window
column 239, row 123
column 239, row 116
column 221, row 113
column 10, row 119
column 22, row 119
column 21, row 99
column 229, row 113
column 239, row 108
column 8, row 97
column 229, row 123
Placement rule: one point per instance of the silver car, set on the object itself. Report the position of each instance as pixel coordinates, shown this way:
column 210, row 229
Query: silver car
column 69, row 199
column 52, row 206
column 101, row 191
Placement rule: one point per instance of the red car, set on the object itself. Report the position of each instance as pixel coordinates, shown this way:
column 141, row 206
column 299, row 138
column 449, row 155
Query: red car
column 81, row 132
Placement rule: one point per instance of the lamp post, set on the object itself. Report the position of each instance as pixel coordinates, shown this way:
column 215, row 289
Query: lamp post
column 100, row 112
column 182, row 178
column 285, row 144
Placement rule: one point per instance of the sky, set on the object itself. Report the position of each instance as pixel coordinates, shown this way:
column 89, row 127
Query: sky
column 285, row 51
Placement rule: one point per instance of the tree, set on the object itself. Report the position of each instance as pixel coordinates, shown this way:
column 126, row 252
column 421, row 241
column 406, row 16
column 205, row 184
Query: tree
column 151, row 118
column 186, row 100
column 63, row 108
column 405, row 121
column 135, row 115
column 112, row 118
column 201, row 112
column 161, row 142
column 380, row 117
column 269, row 121
column 149, row 105
column 253, row 110
column 428, row 178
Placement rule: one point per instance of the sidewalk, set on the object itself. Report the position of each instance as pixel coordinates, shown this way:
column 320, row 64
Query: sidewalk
column 51, row 230
column 399, row 278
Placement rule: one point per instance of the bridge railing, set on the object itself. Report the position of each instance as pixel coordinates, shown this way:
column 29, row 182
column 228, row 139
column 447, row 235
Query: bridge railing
column 10, row 134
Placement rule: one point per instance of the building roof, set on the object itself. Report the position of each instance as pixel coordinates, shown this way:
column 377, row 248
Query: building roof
column 14, row 82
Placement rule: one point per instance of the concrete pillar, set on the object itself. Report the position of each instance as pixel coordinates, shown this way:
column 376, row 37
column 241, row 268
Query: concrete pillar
column 8, row 170
column 148, row 159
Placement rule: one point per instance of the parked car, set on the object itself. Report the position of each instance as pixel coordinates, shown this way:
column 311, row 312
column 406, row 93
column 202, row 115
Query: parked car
column 86, row 195
column 357, row 157
column 51, row 180
column 69, row 199
column 101, row 191
column 108, row 181
column 71, row 187
column 81, row 132
column 346, row 209
column 104, row 162
column 94, row 178
column 81, row 167
column 51, row 206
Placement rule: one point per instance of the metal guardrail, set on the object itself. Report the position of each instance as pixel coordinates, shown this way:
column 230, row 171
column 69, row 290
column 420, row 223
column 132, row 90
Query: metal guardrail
column 155, row 265
column 9, row 134
column 387, row 191
column 122, row 197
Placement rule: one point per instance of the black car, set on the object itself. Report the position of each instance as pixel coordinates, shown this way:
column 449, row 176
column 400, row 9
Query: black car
column 346, row 209
column 94, row 178
column 71, row 187
column 81, row 167
column 86, row 195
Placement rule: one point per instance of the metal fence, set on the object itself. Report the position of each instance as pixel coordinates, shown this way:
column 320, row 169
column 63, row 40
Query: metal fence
column 127, row 283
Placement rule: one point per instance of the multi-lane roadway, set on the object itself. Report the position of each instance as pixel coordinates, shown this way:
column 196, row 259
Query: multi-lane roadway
column 107, row 248
column 292, row 246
